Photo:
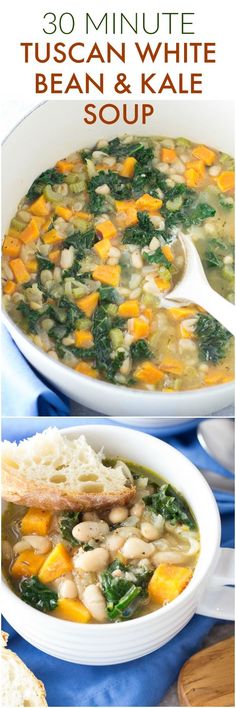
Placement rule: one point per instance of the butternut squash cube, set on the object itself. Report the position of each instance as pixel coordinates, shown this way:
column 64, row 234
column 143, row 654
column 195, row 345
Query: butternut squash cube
column 168, row 155
column 64, row 166
column 205, row 154
column 64, row 212
column 52, row 236
column 141, row 328
column 148, row 203
column 88, row 303
column 106, row 229
column 83, row 339
column 28, row 563
column 170, row 365
column 40, row 207
column 36, row 521
column 148, row 373
column 102, row 248
column 128, row 167
column 9, row 287
column 84, row 368
column 57, row 563
column 167, row 582
column 72, row 610
column 129, row 308
column 225, row 181
column 19, row 270
column 11, row 246
column 107, row 274
column 30, row 233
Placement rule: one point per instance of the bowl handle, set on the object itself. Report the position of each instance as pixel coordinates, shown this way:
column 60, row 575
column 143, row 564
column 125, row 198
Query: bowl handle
column 218, row 600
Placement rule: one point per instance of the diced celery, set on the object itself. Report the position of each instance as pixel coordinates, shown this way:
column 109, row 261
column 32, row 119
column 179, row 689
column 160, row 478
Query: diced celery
column 226, row 202
column 80, row 224
column 52, row 196
column 71, row 178
column 117, row 338
column 79, row 290
column 112, row 309
column 174, row 204
column 228, row 273
column 78, row 186
column 182, row 142
column 224, row 158
column 18, row 225
column 84, row 323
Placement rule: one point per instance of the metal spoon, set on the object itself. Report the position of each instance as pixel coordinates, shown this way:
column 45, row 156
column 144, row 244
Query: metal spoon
column 194, row 287
column 216, row 436
column 217, row 481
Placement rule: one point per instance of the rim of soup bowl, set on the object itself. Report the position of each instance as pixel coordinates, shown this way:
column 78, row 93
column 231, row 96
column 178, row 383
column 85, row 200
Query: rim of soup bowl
column 99, row 384
column 196, row 581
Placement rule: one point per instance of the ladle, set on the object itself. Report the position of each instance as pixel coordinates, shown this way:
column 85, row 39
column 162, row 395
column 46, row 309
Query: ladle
column 194, row 287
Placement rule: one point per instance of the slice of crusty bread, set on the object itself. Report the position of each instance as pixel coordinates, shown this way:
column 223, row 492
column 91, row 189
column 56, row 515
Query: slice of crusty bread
column 52, row 471
column 19, row 685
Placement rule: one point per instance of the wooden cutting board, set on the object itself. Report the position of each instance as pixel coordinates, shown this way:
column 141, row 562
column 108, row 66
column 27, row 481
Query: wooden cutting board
column 207, row 678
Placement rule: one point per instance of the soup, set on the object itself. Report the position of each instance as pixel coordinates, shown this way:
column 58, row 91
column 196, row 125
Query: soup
column 103, row 566
column 93, row 249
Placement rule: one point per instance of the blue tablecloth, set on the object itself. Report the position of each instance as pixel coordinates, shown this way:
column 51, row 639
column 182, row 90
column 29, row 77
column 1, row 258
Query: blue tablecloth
column 24, row 391
column 144, row 681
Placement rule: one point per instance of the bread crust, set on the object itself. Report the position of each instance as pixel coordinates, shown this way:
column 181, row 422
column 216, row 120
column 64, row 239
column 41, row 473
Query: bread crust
column 19, row 490
column 39, row 686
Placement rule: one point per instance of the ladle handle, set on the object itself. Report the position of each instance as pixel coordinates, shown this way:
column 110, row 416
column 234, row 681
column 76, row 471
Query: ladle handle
column 217, row 306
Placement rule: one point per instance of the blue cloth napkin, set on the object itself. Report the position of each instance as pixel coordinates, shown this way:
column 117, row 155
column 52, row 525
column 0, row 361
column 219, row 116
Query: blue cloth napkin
column 24, row 391
column 142, row 682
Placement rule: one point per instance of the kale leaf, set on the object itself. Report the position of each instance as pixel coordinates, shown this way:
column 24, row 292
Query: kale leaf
column 81, row 242
column 34, row 593
column 68, row 520
column 201, row 212
column 142, row 233
column 215, row 251
column 43, row 263
column 121, row 593
column 141, row 153
column 102, row 324
column 140, row 350
column 51, row 176
column 213, row 338
column 170, row 505
column 157, row 257
column 109, row 294
column 31, row 317
column 120, row 188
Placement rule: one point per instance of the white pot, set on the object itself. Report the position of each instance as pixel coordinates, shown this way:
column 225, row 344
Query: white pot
column 55, row 129
column 95, row 644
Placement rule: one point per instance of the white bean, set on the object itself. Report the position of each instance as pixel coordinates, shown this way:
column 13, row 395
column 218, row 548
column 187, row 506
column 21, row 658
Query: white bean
column 135, row 293
column 154, row 244
column 114, row 542
column 41, row 544
column 148, row 531
column 103, row 189
column 6, row 550
column 68, row 589
column 137, row 509
column 126, row 366
column 67, row 257
column 21, row 546
column 135, row 548
column 114, row 252
column 92, row 561
column 87, row 530
column 118, row 514
column 112, row 261
column 137, row 260
column 95, row 602
column 214, row 171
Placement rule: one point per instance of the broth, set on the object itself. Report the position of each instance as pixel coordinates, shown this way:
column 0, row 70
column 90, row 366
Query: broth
column 93, row 249
column 148, row 553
